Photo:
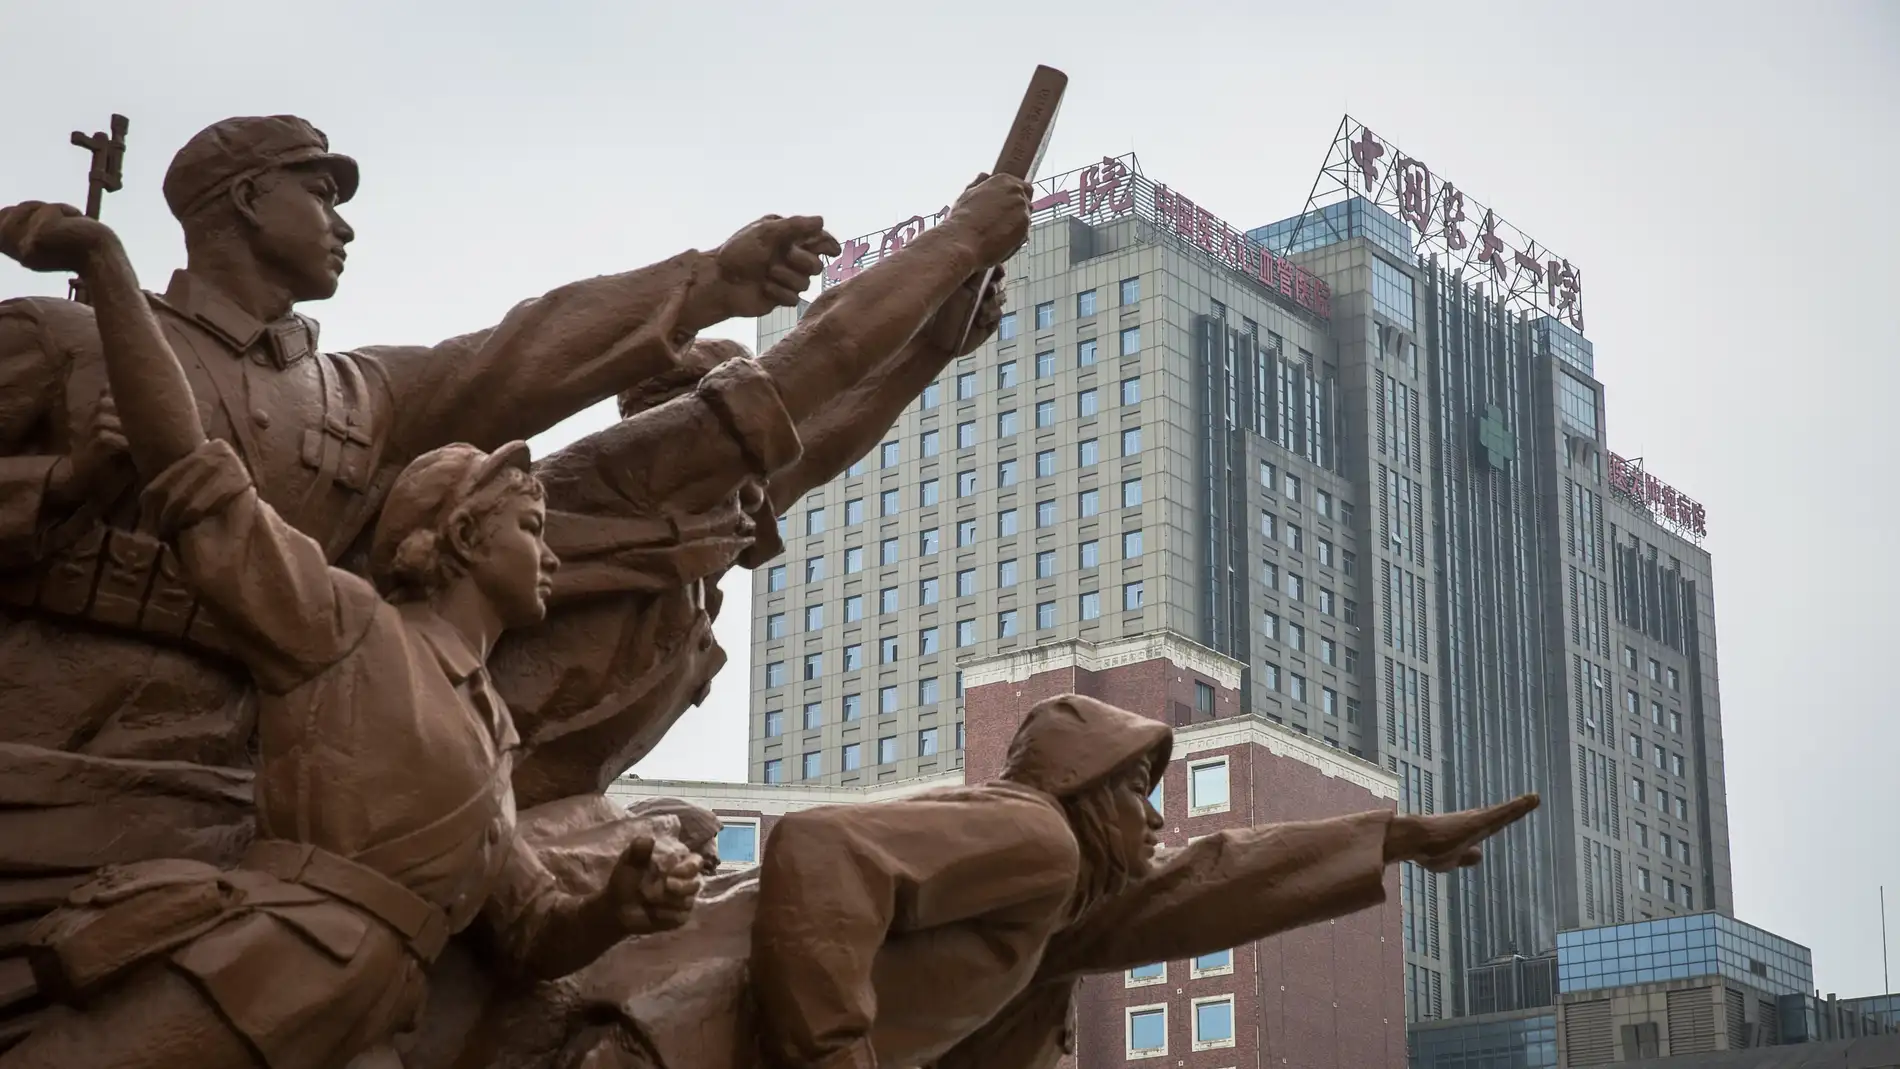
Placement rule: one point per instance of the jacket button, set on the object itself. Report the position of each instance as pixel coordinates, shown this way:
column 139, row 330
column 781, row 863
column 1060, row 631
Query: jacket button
column 261, row 417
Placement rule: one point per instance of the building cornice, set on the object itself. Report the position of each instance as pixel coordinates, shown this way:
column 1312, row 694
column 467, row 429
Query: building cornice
column 1089, row 656
column 1212, row 735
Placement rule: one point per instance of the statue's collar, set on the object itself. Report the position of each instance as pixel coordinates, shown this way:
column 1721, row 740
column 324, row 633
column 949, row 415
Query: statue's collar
column 292, row 337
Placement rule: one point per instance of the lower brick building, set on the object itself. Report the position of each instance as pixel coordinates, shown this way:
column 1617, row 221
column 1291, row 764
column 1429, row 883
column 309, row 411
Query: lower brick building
column 1326, row 997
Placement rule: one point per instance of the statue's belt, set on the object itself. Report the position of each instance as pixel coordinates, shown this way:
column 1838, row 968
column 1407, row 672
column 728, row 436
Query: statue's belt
column 423, row 926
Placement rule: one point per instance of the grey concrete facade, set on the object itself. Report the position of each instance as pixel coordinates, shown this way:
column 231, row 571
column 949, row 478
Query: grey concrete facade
column 1397, row 519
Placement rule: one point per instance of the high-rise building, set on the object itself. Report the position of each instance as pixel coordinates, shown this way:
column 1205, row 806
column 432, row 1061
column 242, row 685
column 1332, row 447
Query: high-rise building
column 1361, row 452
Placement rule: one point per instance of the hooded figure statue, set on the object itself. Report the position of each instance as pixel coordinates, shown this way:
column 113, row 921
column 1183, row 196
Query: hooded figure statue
column 948, row 929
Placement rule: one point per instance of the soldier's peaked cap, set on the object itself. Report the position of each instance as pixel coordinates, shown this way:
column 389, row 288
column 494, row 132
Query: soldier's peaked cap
column 226, row 152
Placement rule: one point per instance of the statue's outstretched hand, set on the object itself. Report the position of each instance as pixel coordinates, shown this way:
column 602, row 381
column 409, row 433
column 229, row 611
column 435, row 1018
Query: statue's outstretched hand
column 656, row 880
column 1448, row 841
column 770, row 263
column 945, row 328
column 51, row 237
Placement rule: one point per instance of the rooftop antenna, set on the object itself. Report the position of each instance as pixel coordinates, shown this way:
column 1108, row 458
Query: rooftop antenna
column 1886, row 982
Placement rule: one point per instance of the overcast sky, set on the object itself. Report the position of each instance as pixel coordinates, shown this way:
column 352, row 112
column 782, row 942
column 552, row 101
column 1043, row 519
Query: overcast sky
column 1724, row 182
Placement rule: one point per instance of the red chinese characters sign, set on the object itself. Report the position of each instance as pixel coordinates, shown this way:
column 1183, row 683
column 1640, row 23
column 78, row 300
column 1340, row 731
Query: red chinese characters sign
column 1104, row 192
column 1098, row 193
column 1663, row 501
column 1444, row 222
column 1240, row 253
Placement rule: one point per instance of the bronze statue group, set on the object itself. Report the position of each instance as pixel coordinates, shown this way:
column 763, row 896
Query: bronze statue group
column 311, row 680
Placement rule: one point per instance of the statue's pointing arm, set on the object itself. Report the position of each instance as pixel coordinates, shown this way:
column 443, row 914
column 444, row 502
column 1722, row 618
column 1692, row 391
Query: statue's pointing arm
column 1228, row 889
column 584, row 342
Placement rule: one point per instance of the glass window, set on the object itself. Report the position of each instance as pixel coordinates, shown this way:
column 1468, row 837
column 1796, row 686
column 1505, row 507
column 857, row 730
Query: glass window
column 813, row 717
column 887, row 552
column 775, row 578
column 1045, row 364
column 1006, row 375
column 774, row 723
column 858, row 467
column 927, row 443
column 1295, row 587
column 887, row 750
column 966, row 532
column 738, row 842
column 1045, row 315
column 1006, row 623
column 1148, row 1030
column 1141, row 973
column 814, row 617
column 1131, row 341
column 775, row 771
column 1045, row 413
column 1131, row 290
column 966, row 435
column 1219, row 961
column 966, row 633
column 966, row 582
column 1329, row 701
column 1323, row 502
column 1046, row 564
column 1675, row 679
column 927, row 642
column 932, row 396
column 1085, row 303
column 1326, row 601
column 853, row 560
column 1088, row 452
column 1006, row 328
column 1088, row 503
column 775, row 674
column 927, row 740
column 1296, row 687
column 1006, row 523
column 1131, row 441
column 1006, row 473
column 1085, row 405
column 1214, row 1022
column 1045, row 463
column 927, row 542
column 1268, row 524
column 851, row 757
column 927, row 591
column 1131, row 391
column 775, row 626
column 1089, row 606
column 854, row 511
column 1088, row 554
column 854, row 608
column 886, row 700
column 1131, row 493
column 1292, row 487
column 889, row 503
column 887, row 455
column 927, row 493
column 813, row 765
column 1085, row 353
column 927, row 694
column 1131, row 545
column 1045, row 615
column 966, row 483
column 814, row 665
column 887, row 600
column 815, row 522
column 1006, row 573
column 1207, row 784
column 851, row 707
column 1131, row 596
column 1005, row 424
column 1324, row 550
